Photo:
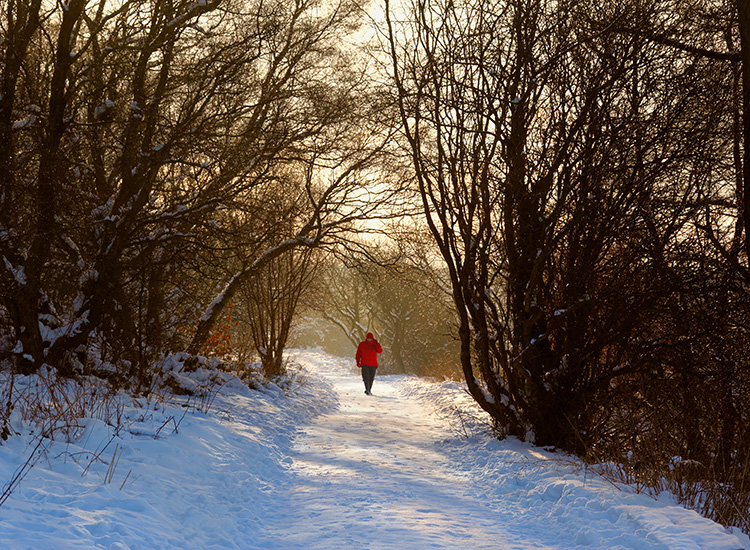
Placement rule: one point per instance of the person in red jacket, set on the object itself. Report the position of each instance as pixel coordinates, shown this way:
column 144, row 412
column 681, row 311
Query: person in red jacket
column 367, row 360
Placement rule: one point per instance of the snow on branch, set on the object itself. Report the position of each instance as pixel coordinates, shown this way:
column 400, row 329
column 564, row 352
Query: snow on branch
column 196, row 9
column 213, row 311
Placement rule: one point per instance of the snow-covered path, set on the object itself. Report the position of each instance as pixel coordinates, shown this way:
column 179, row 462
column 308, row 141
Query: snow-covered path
column 389, row 472
column 373, row 475
column 324, row 468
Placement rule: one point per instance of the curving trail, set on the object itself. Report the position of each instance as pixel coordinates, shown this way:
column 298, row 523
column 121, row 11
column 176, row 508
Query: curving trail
column 322, row 467
column 374, row 475
column 389, row 472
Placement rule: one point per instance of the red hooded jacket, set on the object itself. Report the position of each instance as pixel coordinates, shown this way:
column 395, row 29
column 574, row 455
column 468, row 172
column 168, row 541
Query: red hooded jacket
column 367, row 352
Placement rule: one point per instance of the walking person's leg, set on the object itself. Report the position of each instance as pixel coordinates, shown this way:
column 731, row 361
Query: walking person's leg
column 372, row 376
column 364, row 376
column 368, row 375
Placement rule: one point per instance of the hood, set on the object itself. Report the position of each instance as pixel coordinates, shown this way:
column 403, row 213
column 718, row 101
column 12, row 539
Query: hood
column 369, row 335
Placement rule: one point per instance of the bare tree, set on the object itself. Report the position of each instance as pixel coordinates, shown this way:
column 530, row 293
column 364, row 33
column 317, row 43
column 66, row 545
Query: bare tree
column 271, row 302
column 541, row 139
column 416, row 321
column 135, row 130
column 347, row 302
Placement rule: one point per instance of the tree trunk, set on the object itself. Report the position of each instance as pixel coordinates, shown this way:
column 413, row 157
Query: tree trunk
column 215, row 309
column 743, row 9
column 51, row 168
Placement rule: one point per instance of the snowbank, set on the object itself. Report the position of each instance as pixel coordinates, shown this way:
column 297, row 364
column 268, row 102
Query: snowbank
column 174, row 477
column 569, row 505
column 323, row 467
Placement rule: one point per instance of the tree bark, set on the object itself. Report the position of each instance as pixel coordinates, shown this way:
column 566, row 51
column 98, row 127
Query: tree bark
column 743, row 10
column 51, row 168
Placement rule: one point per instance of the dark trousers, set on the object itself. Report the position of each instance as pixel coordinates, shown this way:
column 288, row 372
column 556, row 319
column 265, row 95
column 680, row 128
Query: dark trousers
column 368, row 375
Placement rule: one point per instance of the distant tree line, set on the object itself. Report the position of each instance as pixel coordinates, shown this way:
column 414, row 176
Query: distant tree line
column 397, row 291
column 583, row 170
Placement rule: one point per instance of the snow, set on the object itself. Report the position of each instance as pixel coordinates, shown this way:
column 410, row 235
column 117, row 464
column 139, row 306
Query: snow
column 18, row 272
column 103, row 108
column 190, row 13
column 219, row 298
column 24, row 123
column 323, row 466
